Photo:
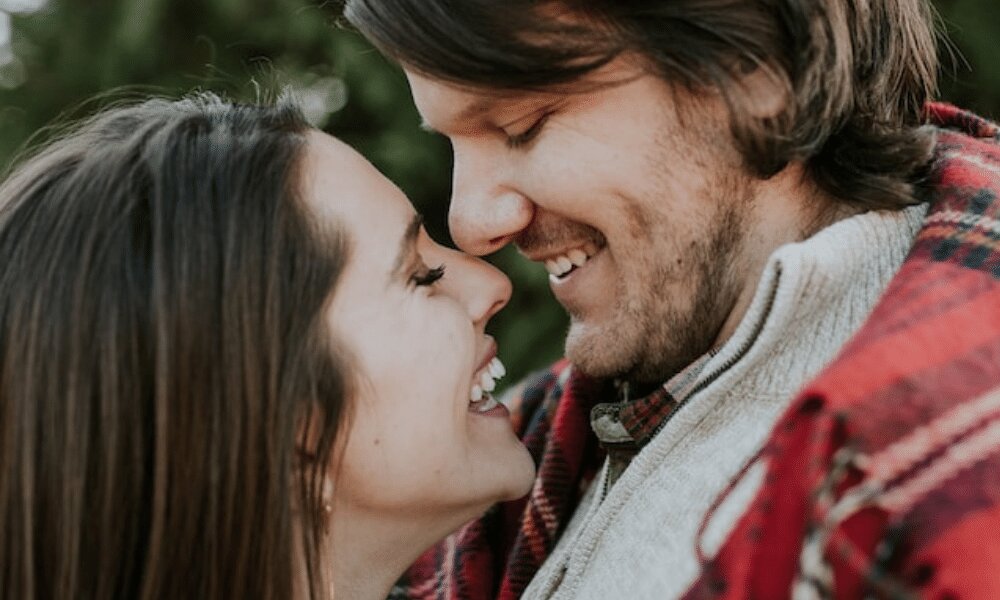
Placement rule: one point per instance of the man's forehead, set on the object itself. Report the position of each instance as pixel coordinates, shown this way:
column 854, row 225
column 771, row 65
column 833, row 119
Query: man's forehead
column 474, row 105
column 468, row 103
column 438, row 101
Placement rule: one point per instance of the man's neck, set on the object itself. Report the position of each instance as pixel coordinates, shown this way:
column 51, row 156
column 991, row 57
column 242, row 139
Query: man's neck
column 788, row 208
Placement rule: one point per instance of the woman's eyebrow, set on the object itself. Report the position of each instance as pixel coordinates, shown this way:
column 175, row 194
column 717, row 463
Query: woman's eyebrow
column 407, row 242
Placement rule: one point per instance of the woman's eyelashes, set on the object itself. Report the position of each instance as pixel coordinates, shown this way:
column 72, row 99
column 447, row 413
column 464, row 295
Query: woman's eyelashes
column 427, row 277
column 527, row 136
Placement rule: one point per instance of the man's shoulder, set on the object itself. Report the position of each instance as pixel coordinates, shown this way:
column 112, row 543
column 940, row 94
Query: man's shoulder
column 950, row 117
column 888, row 459
column 940, row 306
column 966, row 153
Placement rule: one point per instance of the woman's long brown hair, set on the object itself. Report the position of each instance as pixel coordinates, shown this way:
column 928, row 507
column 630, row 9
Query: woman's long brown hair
column 161, row 351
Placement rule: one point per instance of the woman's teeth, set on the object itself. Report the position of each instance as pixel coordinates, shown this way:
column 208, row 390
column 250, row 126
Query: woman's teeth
column 496, row 368
column 486, row 405
column 486, row 382
column 561, row 265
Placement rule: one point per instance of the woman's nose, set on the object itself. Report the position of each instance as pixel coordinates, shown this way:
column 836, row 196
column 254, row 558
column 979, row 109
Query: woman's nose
column 482, row 288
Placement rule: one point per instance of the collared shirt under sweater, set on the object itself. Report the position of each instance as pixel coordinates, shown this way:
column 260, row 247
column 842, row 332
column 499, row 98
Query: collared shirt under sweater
column 635, row 537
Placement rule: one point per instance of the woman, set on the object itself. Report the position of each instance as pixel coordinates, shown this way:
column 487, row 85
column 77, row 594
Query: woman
column 232, row 364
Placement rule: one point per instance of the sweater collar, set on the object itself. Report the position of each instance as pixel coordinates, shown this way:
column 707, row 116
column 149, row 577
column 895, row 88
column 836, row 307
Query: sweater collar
column 842, row 258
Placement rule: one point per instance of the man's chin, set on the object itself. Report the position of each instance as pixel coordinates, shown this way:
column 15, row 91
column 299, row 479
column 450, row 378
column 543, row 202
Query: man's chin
column 614, row 351
column 597, row 352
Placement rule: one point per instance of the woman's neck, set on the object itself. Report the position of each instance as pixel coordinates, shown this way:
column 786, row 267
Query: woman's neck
column 371, row 551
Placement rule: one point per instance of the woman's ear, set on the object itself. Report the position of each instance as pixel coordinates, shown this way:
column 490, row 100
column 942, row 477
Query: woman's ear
column 307, row 436
column 308, row 459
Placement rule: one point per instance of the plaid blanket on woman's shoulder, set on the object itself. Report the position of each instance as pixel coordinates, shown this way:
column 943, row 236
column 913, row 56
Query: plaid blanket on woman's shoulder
column 883, row 478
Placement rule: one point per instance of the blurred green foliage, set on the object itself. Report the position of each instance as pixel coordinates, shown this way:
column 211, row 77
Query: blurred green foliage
column 56, row 56
column 971, row 72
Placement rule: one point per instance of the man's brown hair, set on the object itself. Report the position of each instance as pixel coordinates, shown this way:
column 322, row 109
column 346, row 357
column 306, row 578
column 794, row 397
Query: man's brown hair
column 856, row 73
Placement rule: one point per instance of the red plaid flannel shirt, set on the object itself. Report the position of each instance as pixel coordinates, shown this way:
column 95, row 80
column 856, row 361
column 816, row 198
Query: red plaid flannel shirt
column 883, row 475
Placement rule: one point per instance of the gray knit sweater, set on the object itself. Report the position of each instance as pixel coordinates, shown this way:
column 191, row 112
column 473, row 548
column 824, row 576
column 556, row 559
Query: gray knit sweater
column 638, row 541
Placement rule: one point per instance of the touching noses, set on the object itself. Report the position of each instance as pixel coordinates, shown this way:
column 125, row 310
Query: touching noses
column 480, row 286
column 487, row 209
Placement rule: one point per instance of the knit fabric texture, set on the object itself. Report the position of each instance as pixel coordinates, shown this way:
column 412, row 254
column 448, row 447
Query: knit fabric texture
column 882, row 480
column 498, row 555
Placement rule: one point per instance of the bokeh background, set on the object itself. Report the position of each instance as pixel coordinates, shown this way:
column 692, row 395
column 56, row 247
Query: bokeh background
column 60, row 59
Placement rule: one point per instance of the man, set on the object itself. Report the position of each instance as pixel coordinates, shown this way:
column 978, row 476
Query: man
column 721, row 191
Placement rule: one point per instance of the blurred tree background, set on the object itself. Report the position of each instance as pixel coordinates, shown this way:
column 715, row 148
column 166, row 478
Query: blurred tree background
column 56, row 56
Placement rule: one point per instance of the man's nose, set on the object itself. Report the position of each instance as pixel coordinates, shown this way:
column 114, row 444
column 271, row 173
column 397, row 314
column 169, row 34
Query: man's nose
column 488, row 210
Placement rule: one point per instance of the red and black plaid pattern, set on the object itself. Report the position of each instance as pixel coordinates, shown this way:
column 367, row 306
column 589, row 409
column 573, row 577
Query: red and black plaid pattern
column 498, row 555
column 623, row 428
column 883, row 477
column 643, row 417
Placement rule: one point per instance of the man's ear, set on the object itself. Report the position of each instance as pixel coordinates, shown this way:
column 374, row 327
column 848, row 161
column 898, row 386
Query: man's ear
column 764, row 93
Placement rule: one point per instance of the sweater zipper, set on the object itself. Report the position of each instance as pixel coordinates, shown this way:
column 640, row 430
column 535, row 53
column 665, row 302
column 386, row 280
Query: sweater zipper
column 704, row 383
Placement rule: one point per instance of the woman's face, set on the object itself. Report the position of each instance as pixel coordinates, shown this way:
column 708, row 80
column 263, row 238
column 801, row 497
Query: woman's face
column 416, row 445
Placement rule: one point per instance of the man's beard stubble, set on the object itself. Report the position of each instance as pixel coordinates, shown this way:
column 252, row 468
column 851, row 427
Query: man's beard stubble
column 653, row 338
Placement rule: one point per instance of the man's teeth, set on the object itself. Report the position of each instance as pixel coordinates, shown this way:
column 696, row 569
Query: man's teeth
column 564, row 263
column 486, row 382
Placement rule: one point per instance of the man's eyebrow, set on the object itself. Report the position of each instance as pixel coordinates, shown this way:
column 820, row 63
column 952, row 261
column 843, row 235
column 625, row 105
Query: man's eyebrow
column 407, row 242
column 475, row 109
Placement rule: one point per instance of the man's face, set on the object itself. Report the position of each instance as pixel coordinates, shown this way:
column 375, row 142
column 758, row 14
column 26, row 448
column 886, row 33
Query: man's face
column 645, row 204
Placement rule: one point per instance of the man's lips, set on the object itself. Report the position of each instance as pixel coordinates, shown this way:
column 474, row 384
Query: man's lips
column 568, row 258
column 548, row 241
